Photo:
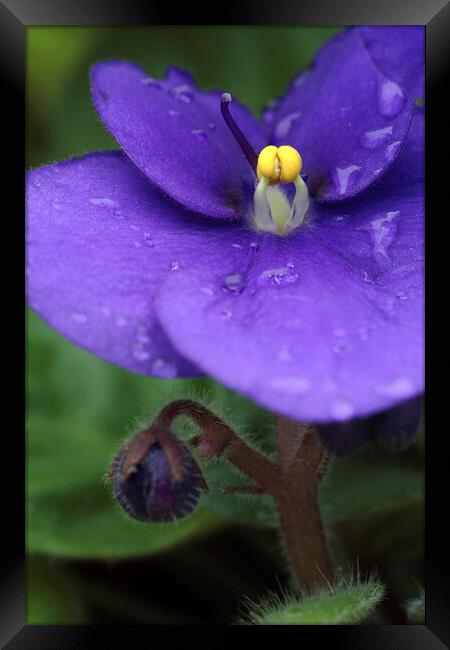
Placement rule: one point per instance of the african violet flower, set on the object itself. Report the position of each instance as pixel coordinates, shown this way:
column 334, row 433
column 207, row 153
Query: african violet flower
column 183, row 253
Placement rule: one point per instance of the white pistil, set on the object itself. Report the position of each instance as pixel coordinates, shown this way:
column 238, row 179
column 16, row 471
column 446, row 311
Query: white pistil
column 272, row 212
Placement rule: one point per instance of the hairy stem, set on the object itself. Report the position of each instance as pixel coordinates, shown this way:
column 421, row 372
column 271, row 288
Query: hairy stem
column 293, row 481
column 297, row 502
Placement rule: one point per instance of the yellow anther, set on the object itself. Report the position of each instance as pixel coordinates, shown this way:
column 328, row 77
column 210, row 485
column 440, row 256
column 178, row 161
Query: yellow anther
column 279, row 164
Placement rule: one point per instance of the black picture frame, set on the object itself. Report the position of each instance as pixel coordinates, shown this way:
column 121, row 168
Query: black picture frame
column 15, row 17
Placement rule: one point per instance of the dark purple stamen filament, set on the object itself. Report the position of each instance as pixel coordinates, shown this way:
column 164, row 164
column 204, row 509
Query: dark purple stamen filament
column 242, row 141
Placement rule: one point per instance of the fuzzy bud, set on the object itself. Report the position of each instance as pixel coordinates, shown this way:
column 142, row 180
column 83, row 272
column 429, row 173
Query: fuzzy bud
column 155, row 478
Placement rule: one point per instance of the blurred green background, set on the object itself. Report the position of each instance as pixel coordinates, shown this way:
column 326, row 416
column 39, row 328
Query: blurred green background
column 87, row 561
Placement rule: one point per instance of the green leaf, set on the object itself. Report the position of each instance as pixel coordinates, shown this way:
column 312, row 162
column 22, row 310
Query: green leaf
column 76, row 421
column 349, row 603
column 52, row 596
column 363, row 487
column 87, row 524
column 415, row 609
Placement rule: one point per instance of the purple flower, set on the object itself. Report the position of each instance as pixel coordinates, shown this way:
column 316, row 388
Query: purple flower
column 162, row 258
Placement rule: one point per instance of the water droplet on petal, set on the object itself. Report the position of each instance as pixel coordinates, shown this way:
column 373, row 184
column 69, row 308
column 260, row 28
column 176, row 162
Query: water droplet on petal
column 207, row 291
column 164, row 369
column 344, row 178
column 280, row 276
column 391, row 150
column 341, row 409
column 399, row 388
column 226, row 313
column 236, row 246
column 149, row 81
column 391, row 98
column 199, row 135
column 174, row 113
column 285, row 124
column 383, row 232
column 120, row 321
column 293, row 385
column 79, row 317
column 285, row 354
column 211, row 126
column 182, row 93
column 140, row 353
column 254, row 246
column 175, row 266
column 137, row 244
column 148, row 240
column 103, row 202
column 401, row 295
column 56, row 205
column 374, row 139
column 105, row 311
column 234, row 283
column 142, row 334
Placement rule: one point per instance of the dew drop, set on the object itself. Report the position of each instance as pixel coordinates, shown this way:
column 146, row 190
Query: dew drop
column 103, row 202
column 175, row 266
column 280, row 276
column 79, row 317
column 37, row 183
column 56, row 205
column 140, row 353
column 182, row 93
column 148, row 240
column 383, row 233
column 174, row 113
column 285, row 124
column 236, row 246
column 391, row 98
column 163, row 369
column 285, row 354
column 226, row 313
column 120, row 321
column 149, row 81
column 234, row 283
column 137, row 244
column 401, row 295
column 341, row 409
column 344, row 178
column 392, row 149
column 211, row 126
column 291, row 385
column 105, row 311
column 207, row 291
column 254, row 246
column 399, row 388
column 374, row 139
column 142, row 334
column 341, row 346
column 199, row 135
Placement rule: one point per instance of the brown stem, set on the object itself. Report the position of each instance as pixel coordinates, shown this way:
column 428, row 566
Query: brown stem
column 293, row 481
column 298, row 507
column 217, row 438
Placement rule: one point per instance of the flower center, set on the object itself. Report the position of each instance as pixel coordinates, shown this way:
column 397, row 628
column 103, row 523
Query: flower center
column 272, row 211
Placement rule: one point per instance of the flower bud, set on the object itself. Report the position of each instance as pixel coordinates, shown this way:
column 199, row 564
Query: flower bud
column 155, row 478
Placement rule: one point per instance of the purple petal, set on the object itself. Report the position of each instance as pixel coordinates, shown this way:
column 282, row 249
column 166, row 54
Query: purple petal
column 348, row 116
column 100, row 239
column 324, row 325
column 396, row 428
column 399, row 53
column 176, row 135
column 409, row 167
